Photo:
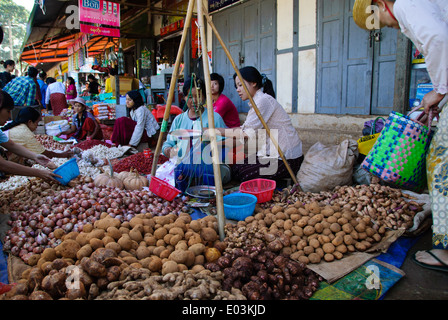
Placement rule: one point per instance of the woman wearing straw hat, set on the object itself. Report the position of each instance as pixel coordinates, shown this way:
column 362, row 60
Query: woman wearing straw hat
column 84, row 125
column 425, row 23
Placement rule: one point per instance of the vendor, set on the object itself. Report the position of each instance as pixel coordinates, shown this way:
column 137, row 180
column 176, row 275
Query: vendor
column 265, row 163
column 21, row 131
column 137, row 130
column 55, row 96
column 41, row 77
column 222, row 104
column 71, row 89
column 9, row 167
column 425, row 23
column 6, row 76
column 194, row 118
column 109, row 83
column 92, row 86
column 84, row 125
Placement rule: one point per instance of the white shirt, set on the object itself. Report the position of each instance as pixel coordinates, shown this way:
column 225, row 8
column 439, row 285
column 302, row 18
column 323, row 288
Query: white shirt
column 55, row 87
column 279, row 124
column 425, row 23
column 145, row 120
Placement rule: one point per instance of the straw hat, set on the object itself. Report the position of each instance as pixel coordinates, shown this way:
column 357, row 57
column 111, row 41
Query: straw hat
column 79, row 100
column 361, row 14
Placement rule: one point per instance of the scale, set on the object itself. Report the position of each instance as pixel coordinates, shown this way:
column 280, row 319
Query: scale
column 201, row 192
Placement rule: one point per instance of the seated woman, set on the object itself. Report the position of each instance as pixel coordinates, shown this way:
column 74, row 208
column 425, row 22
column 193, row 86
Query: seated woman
column 265, row 162
column 9, row 167
column 84, row 125
column 190, row 167
column 221, row 104
column 21, row 131
column 137, row 130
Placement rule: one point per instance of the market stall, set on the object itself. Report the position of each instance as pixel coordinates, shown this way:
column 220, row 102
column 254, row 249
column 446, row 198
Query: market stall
column 115, row 230
column 129, row 236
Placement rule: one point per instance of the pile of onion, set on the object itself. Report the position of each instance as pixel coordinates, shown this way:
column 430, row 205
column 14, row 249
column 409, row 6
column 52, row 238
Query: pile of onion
column 37, row 226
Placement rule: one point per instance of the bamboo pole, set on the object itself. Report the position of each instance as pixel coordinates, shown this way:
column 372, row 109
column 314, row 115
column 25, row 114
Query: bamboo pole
column 211, row 124
column 173, row 85
column 210, row 22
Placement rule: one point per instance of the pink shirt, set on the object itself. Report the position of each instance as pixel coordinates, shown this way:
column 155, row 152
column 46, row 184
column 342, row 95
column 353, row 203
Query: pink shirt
column 227, row 110
column 70, row 88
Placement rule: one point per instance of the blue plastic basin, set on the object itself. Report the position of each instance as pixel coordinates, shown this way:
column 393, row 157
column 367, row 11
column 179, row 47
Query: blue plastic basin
column 239, row 206
column 68, row 171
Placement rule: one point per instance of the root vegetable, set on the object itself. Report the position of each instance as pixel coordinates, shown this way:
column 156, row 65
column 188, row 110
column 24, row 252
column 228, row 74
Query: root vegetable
column 169, row 266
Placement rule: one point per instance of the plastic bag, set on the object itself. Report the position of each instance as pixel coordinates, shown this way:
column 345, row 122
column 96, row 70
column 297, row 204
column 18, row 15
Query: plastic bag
column 166, row 171
column 372, row 130
column 54, row 127
column 325, row 167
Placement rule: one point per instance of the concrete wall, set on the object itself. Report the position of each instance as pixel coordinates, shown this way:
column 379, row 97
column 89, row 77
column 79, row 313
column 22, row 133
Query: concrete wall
column 312, row 127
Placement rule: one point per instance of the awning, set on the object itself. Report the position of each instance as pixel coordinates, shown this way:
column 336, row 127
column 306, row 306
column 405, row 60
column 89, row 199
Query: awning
column 48, row 35
column 55, row 49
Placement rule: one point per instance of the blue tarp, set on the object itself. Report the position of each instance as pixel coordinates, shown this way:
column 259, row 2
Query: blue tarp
column 396, row 254
column 3, row 266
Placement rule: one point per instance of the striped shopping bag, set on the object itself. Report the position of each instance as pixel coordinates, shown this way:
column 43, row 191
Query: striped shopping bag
column 399, row 155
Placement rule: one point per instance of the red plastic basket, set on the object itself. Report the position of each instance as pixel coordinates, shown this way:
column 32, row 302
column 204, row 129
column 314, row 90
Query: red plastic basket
column 163, row 189
column 263, row 189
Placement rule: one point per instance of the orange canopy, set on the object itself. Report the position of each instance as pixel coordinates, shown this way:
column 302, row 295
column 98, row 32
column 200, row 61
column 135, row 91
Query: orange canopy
column 55, row 49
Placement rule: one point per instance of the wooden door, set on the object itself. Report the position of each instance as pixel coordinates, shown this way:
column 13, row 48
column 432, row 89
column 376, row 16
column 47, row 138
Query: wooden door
column 248, row 31
column 355, row 69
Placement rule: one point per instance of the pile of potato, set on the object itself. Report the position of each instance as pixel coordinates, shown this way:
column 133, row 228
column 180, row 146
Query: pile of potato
column 102, row 251
column 385, row 205
column 309, row 233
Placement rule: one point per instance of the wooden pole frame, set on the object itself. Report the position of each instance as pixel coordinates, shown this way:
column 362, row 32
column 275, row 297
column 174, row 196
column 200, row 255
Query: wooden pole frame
column 254, row 106
column 212, row 132
column 211, row 123
column 173, row 86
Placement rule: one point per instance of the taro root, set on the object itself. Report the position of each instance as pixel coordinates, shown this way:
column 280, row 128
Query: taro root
column 264, row 275
column 54, row 284
column 39, row 295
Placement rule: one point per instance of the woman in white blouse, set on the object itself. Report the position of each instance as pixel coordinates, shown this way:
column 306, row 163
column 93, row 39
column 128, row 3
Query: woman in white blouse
column 137, row 129
column 262, row 159
column 425, row 23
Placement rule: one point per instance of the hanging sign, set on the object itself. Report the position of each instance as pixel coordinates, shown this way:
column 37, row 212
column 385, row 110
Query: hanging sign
column 146, row 59
column 214, row 5
column 79, row 43
column 100, row 12
column 108, row 32
column 195, row 39
column 173, row 27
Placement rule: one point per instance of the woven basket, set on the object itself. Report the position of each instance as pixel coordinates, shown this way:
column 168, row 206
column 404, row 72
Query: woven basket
column 399, row 155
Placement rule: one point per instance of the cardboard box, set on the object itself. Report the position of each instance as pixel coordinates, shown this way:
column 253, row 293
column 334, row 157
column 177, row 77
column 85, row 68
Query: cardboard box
column 126, row 84
column 48, row 119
